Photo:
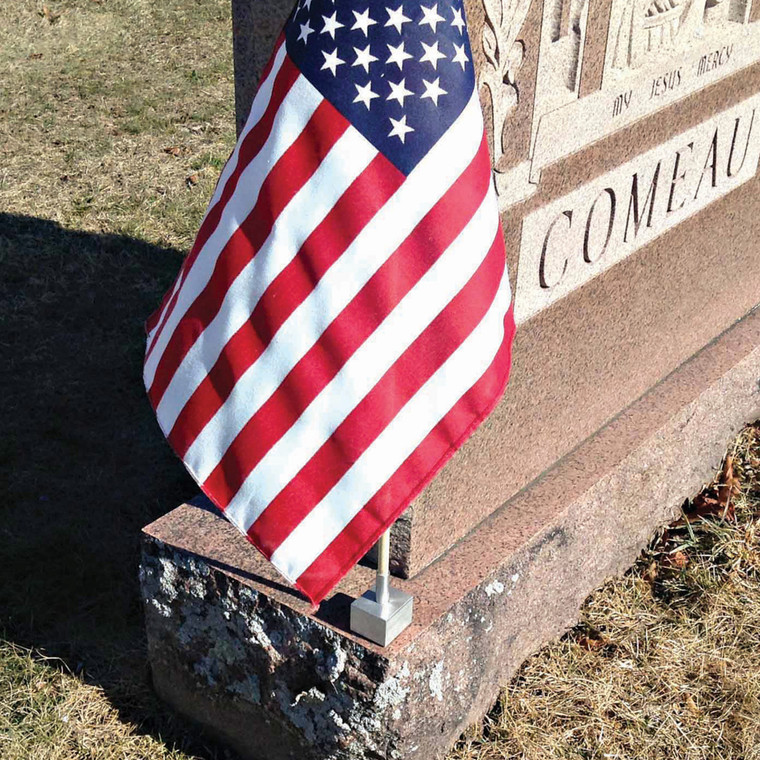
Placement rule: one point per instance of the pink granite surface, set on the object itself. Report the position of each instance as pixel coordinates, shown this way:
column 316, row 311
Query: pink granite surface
column 218, row 616
column 580, row 362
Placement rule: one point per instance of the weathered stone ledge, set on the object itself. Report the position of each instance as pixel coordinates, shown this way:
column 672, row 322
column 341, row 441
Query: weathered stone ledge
column 234, row 649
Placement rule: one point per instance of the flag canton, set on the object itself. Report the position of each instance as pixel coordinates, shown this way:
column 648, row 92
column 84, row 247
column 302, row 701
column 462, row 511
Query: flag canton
column 400, row 71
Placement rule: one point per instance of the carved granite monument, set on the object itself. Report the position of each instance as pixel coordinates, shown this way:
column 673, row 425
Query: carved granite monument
column 625, row 138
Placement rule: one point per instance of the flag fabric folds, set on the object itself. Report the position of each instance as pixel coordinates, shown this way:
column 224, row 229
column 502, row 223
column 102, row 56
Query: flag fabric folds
column 343, row 321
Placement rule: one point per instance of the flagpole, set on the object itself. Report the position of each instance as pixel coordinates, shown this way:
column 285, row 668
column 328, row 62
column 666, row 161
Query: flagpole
column 382, row 612
column 382, row 581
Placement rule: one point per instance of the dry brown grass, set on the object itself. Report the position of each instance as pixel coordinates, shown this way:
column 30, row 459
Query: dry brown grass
column 47, row 713
column 95, row 215
column 90, row 101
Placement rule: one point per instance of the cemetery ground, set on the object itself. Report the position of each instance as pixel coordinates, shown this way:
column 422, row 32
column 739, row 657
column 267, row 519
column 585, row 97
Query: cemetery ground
column 115, row 119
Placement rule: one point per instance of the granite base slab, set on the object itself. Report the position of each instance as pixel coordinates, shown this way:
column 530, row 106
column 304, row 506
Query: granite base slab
column 234, row 649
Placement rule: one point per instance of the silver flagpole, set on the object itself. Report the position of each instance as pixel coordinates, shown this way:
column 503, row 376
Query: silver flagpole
column 382, row 582
column 382, row 612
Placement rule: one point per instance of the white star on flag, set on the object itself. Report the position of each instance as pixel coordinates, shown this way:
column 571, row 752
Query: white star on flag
column 458, row 21
column 332, row 61
column 431, row 16
column 460, row 57
column 365, row 94
column 398, row 55
column 305, row 4
column 306, row 30
column 364, row 58
column 399, row 92
column 433, row 90
column 397, row 18
column 363, row 21
column 432, row 54
column 400, row 128
column 331, row 24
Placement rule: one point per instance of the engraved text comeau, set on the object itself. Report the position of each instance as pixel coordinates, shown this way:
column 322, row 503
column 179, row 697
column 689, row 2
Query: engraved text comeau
column 577, row 237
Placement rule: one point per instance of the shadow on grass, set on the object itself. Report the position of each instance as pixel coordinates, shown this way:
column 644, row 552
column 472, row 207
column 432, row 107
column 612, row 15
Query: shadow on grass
column 84, row 465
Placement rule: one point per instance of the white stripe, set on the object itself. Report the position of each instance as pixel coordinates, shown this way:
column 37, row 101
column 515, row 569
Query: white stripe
column 419, row 307
column 385, row 232
column 294, row 112
column 258, row 108
column 399, row 439
column 152, row 333
column 306, row 209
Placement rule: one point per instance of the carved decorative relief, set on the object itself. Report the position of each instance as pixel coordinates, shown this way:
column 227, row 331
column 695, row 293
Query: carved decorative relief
column 657, row 53
column 566, row 19
column 647, row 30
column 504, row 55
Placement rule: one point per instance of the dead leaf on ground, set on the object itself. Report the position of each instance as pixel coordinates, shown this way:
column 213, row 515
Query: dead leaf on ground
column 650, row 574
column 691, row 706
column 701, row 505
column 192, row 180
column 176, row 150
column 591, row 639
column 678, row 559
column 51, row 16
column 592, row 645
column 34, row 56
column 729, row 487
column 716, row 500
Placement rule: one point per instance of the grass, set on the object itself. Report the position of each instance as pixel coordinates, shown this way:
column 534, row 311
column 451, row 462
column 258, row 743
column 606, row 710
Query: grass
column 50, row 712
column 107, row 108
column 90, row 101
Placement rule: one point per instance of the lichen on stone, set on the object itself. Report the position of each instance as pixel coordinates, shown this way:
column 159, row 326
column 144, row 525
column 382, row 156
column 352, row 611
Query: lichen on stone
column 435, row 682
column 240, row 645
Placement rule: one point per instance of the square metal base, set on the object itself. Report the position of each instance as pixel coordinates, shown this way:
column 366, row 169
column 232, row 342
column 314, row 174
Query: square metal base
column 381, row 624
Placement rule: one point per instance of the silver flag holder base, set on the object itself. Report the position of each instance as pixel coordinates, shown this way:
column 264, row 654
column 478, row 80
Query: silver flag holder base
column 381, row 613
column 381, row 623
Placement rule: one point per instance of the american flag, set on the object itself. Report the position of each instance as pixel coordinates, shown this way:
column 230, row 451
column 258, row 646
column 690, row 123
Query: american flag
column 343, row 322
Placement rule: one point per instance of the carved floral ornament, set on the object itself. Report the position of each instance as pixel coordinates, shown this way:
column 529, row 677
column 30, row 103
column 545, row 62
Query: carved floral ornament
column 504, row 55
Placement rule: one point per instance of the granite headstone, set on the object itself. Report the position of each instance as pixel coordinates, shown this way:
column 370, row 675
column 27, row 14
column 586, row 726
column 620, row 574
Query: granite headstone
column 625, row 137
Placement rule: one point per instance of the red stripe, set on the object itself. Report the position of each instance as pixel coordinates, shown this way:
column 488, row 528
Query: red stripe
column 252, row 143
column 366, row 195
column 411, row 478
column 285, row 179
column 353, row 326
column 373, row 414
